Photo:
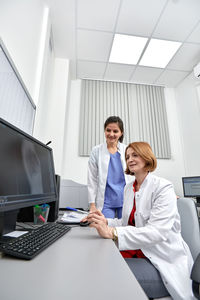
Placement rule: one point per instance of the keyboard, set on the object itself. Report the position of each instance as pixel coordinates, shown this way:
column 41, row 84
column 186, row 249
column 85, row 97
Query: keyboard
column 35, row 241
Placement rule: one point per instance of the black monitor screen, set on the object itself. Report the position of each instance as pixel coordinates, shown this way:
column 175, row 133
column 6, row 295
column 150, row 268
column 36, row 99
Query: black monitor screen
column 26, row 170
column 191, row 186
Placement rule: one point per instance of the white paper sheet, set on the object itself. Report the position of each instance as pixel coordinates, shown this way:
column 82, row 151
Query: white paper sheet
column 72, row 217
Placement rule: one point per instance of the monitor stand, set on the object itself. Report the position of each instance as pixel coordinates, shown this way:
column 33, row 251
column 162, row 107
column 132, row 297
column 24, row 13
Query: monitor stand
column 8, row 221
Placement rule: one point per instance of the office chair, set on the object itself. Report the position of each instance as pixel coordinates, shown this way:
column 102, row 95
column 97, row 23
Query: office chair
column 189, row 224
column 195, row 276
column 191, row 234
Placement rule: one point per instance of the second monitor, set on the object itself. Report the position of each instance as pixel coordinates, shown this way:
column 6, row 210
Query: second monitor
column 191, row 187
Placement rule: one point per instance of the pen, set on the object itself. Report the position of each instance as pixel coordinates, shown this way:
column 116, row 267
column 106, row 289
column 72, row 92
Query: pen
column 41, row 218
column 78, row 210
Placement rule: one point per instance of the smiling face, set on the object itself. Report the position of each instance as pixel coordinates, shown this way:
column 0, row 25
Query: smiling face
column 112, row 133
column 135, row 163
column 139, row 156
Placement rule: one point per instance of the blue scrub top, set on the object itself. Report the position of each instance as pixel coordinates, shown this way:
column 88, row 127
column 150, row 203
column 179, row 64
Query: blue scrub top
column 114, row 192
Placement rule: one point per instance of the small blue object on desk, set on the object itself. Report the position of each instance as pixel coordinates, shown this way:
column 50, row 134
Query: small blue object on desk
column 78, row 210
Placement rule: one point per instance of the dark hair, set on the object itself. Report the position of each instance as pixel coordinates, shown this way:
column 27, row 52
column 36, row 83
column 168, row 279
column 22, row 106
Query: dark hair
column 115, row 119
column 144, row 150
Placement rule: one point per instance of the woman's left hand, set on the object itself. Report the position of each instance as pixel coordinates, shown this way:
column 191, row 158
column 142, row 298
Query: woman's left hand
column 98, row 221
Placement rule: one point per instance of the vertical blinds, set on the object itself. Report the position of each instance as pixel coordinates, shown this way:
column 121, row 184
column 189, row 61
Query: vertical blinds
column 101, row 99
column 141, row 107
column 16, row 105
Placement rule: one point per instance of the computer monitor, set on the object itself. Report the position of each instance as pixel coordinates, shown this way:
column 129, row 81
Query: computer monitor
column 27, row 175
column 191, row 187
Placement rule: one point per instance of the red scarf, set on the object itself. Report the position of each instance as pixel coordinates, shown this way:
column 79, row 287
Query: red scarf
column 132, row 253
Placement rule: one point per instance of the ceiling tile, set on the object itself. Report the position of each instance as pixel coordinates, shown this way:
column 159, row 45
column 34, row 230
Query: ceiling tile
column 139, row 17
column 178, row 20
column 146, row 75
column 118, row 72
column 95, row 14
column 186, row 58
column 93, row 45
column 195, row 35
column 171, row 78
column 87, row 69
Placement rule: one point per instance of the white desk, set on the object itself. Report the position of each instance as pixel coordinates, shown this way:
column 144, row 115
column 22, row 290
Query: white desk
column 78, row 266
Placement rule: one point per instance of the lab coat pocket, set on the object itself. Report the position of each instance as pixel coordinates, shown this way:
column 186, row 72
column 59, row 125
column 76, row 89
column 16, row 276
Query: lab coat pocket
column 143, row 218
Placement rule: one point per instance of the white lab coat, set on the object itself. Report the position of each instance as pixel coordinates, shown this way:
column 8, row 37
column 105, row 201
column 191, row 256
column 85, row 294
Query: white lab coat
column 157, row 233
column 98, row 170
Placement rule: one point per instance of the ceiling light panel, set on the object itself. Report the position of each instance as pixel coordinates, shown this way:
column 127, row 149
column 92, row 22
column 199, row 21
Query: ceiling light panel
column 159, row 52
column 126, row 49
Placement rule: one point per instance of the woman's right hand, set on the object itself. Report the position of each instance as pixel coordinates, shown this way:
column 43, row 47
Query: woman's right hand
column 97, row 215
column 98, row 221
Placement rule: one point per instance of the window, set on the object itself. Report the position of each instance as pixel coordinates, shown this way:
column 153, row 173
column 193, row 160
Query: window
column 16, row 105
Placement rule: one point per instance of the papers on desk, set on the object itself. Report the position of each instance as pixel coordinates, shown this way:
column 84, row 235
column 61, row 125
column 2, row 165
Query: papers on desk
column 72, row 217
column 15, row 233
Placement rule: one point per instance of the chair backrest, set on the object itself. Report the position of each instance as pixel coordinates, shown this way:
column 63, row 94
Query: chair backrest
column 189, row 224
column 195, row 276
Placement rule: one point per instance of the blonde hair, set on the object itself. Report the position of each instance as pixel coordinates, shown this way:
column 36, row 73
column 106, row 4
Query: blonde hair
column 144, row 150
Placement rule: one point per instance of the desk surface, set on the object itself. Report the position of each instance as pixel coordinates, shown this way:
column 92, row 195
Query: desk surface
column 80, row 265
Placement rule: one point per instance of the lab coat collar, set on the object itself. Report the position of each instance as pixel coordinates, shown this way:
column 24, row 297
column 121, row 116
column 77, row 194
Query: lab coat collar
column 145, row 180
column 119, row 147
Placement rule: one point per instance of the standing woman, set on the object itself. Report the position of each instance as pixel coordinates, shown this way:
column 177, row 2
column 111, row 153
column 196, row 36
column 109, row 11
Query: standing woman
column 106, row 178
column 149, row 233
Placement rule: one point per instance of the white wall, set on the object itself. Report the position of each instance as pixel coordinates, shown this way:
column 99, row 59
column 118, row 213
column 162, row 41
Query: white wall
column 188, row 108
column 74, row 167
column 198, row 92
column 50, row 120
column 20, row 29
column 172, row 169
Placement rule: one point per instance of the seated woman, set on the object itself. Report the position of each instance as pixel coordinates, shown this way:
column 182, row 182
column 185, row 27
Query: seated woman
column 149, row 232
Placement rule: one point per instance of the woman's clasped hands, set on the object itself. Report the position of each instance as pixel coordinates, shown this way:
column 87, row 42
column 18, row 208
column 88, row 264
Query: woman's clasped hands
column 98, row 221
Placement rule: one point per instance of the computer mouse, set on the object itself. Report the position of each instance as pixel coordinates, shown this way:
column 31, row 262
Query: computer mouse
column 86, row 223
